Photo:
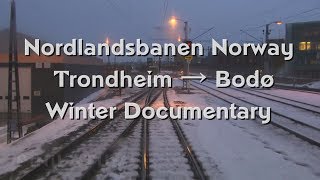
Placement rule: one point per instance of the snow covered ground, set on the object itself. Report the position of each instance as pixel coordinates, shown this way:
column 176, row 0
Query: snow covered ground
column 295, row 95
column 38, row 142
column 290, row 94
column 315, row 85
column 289, row 111
column 227, row 149
column 312, row 85
column 166, row 156
column 123, row 164
column 246, row 149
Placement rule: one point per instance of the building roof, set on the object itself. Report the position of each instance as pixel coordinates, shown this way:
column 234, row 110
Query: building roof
column 305, row 23
column 4, row 52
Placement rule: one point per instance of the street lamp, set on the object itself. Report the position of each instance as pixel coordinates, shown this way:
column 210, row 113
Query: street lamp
column 108, row 42
column 267, row 65
column 267, row 28
column 173, row 21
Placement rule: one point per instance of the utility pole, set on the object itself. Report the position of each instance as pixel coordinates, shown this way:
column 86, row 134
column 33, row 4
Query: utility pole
column 186, row 38
column 14, row 108
column 186, row 29
column 267, row 63
column 267, row 68
column 114, row 61
column 159, row 63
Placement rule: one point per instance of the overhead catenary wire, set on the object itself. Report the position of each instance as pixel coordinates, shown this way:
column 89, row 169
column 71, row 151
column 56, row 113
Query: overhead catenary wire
column 287, row 19
column 259, row 40
column 301, row 13
column 305, row 17
column 202, row 34
column 166, row 3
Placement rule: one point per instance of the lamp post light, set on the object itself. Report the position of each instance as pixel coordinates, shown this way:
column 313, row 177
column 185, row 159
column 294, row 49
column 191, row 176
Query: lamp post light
column 173, row 22
column 267, row 28
column 267, row 63
column 108, row 43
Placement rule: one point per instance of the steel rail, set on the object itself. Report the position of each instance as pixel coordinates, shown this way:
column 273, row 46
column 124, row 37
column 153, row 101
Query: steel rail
column 195, row 164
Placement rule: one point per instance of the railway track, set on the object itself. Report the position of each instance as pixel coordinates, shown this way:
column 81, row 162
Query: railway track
column 195, row 165
column 299, row 128
column 97, row 151
column 290, row 102
column 121, row 149
column 121, row 159
column 298, row 89
column 314, row 124
column 59, row 158
column 144, row 163
column 125, row 142
column 163, row 152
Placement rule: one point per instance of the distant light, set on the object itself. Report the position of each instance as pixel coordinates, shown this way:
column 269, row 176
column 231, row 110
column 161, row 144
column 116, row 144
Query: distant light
column 302, row 46
column 173, row 21
column 107, row 41
column 279, row 22
column 179, row 39
column 308, row 45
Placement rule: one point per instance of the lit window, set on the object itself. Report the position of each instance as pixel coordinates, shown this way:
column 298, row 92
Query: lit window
column 308, row 45
column 302, row 46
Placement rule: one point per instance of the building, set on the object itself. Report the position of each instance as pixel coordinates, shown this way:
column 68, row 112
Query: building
column 242, row 64
column 277, row 63
column 306, row 39
column 37, row 83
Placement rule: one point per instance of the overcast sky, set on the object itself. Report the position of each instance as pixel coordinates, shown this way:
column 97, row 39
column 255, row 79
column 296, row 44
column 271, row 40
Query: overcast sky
column 94, row 20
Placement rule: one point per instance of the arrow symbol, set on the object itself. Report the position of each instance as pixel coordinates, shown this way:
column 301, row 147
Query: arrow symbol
column 201, row 77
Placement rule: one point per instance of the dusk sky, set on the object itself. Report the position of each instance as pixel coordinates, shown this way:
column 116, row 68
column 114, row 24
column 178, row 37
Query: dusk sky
column 94, row 20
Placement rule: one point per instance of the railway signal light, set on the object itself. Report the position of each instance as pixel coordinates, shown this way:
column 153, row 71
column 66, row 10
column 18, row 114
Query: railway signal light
column 189, row 43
